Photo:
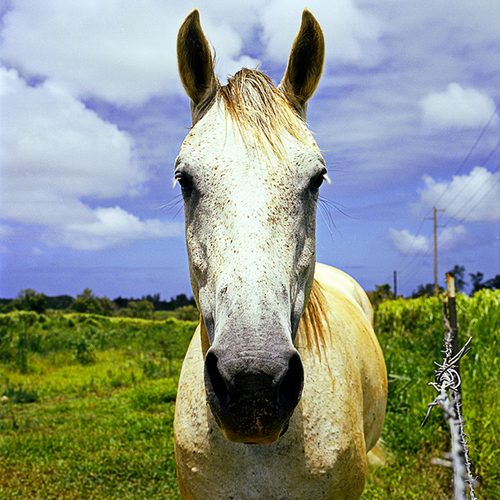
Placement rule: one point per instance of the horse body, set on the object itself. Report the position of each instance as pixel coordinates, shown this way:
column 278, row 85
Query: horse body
column 283, row 388
column 338, row 419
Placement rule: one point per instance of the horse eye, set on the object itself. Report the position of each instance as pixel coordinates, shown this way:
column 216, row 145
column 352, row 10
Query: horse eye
column 318, row 180
column 185, row 183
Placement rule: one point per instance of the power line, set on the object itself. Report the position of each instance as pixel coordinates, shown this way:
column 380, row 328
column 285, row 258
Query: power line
column 485, row 128
column 459, row 169
column 467, row 184
column 478, row 191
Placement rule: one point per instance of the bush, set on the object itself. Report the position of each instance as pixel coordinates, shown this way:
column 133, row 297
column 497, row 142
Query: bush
column 187, row 313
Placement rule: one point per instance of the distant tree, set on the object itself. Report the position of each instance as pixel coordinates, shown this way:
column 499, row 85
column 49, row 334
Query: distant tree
column 88, row 302
column 187, row 313
column 107, row 307
column 144, row 309
column 121, row 303
column 158, row 305
column 381, row 294
column 138, row 309
column 459, row 273
column 29, row 300
column 477, row 283
column 6, row 305
column 154, row 299
column 181, row 301
column 493, row 283
column 59, row 302
column 425, row 291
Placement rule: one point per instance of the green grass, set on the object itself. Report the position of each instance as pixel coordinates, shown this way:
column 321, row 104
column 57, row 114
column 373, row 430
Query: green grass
column 91, row 403
column 103, row 445
column 90, row 406
column 95, row 431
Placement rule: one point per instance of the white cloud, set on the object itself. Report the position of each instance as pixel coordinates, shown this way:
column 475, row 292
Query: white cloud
column 452, row 237
column 457, row 107
column 122, row 51
column 125, row 51
column 471, row 198
column 54, row 153
column 351, row 33
column 406, row 243
column 55, row 150
column 112, row 227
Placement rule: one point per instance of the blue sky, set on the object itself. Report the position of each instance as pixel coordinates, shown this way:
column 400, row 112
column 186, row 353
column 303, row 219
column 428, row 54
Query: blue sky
column 93, row 115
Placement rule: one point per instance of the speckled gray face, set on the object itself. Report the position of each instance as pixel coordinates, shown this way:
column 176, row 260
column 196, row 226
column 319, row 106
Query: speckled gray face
column 250, row 173
column 250, row 233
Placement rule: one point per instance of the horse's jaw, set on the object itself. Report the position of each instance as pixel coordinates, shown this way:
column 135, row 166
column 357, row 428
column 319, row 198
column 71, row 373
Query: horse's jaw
column 256, row 434
column 252, row 438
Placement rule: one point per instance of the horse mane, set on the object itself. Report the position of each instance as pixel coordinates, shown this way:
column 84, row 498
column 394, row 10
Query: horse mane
column 311, row 326
column 262, row 111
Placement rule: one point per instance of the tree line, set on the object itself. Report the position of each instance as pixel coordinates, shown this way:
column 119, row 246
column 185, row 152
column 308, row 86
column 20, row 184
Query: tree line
column 89, row 302
column 151, row 305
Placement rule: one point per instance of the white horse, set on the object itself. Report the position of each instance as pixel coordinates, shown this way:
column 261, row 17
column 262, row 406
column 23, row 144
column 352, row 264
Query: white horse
column 283, row 388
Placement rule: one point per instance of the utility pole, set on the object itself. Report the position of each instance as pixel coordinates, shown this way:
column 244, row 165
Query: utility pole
column 435, row 253
column 395, row 283
column 434, row 218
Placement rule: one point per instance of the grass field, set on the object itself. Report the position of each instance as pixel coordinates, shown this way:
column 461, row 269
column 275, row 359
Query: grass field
column 89, row 402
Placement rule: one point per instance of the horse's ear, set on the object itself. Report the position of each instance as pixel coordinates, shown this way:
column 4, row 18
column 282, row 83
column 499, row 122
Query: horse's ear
column 305, row 63
column 196, row 67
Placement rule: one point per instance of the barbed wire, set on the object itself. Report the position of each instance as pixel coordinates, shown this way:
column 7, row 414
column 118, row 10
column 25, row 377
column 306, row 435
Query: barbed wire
column 447, row 384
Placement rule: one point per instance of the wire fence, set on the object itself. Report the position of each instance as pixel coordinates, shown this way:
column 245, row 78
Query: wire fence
column 448, row 385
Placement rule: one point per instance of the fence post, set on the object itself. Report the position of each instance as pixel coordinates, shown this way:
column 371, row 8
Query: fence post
column 452, row 318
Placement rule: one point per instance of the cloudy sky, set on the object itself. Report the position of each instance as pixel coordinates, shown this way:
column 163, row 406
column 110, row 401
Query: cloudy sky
column 92, row 116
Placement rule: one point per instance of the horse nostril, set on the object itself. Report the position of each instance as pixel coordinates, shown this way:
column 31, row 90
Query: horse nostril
column 291, row 385
column 214, row 383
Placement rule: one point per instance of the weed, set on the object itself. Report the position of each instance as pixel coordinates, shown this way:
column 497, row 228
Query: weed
column 83, row 350
column 20, row 394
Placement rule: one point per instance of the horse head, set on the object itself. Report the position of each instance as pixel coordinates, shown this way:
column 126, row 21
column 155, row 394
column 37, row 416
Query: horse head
column 250, row 172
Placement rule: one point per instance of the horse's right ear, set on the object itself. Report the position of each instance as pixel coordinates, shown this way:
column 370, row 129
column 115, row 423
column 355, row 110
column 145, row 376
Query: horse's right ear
column 305, row 64
column 196, row 67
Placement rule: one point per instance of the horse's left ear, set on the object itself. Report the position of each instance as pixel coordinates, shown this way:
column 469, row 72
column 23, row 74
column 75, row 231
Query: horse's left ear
column 196, row 67
column 305, row 63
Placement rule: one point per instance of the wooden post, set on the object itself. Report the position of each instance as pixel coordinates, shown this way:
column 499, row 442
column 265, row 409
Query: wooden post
column 452, row 317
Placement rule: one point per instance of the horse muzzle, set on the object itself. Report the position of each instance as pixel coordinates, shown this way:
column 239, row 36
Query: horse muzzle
column 252, row 398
